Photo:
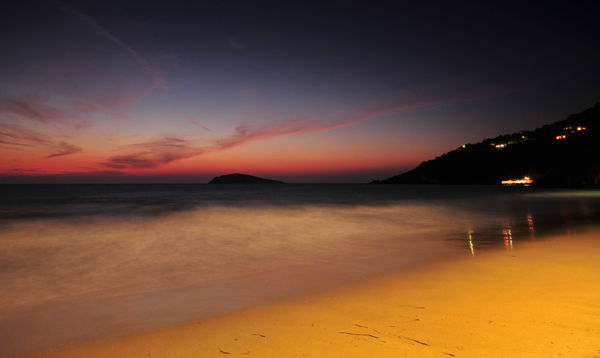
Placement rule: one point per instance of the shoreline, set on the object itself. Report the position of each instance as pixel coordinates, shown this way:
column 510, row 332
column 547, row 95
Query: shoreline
column 537, row 300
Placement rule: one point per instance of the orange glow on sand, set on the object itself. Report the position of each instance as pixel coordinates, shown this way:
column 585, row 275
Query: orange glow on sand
column 538, row 302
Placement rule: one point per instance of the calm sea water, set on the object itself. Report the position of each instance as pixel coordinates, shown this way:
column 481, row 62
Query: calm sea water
column 85, row 262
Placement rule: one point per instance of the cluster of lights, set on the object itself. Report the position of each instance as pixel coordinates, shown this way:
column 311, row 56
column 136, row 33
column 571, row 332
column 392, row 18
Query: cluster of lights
column 564, row 136
column 525, row 181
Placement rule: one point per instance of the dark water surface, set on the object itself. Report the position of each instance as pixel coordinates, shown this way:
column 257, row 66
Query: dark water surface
column 85, row 262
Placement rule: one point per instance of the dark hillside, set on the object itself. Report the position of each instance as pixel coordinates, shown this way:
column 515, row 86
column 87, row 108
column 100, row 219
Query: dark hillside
column 565, row 153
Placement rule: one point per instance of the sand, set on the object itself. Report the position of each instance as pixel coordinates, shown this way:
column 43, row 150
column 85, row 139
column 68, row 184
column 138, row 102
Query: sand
column 540, row 299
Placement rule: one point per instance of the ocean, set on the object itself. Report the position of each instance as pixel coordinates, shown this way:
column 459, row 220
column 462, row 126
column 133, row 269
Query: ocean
column 87, row 262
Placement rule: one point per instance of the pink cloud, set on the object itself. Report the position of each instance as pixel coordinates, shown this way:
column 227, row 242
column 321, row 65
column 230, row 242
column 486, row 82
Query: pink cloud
column 314, row 124
column 16, row 137
column 22, row 135
column 153, row 154
column 248, row 133
column 32, row 108
column 304, row 125
column 63, row 148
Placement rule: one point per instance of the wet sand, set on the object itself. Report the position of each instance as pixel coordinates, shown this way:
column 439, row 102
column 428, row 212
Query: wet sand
column 540, row 299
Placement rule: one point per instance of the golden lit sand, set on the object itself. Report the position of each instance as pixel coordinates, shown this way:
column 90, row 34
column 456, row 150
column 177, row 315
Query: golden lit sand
column 539, row 300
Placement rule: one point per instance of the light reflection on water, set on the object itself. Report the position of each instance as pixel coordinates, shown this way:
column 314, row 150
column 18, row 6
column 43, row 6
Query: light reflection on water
column 73, row 277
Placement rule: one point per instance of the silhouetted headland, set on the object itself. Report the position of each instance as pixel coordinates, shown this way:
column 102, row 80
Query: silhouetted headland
column 562, row 154
column 242, row 179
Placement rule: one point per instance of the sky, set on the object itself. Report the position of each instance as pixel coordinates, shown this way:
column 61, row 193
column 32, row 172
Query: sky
column 299, row 91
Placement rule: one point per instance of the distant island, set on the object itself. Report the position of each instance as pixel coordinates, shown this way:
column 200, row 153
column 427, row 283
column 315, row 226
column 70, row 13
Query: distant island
column 562, row 154
column 242, row 179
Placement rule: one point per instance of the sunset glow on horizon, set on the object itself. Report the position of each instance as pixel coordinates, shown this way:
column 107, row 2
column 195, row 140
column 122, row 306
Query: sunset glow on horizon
column 175, row 92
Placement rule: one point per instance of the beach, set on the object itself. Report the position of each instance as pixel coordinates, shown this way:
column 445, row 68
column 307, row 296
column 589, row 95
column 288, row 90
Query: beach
column 532, row 299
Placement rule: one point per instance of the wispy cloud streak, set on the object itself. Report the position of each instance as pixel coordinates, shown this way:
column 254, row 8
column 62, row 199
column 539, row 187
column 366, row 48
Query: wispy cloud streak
column 191, row 120
column 158, row 77
column 64, row 148
column 304, row 125
column 16, row 137
column 34, row 109
column 20, row 135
